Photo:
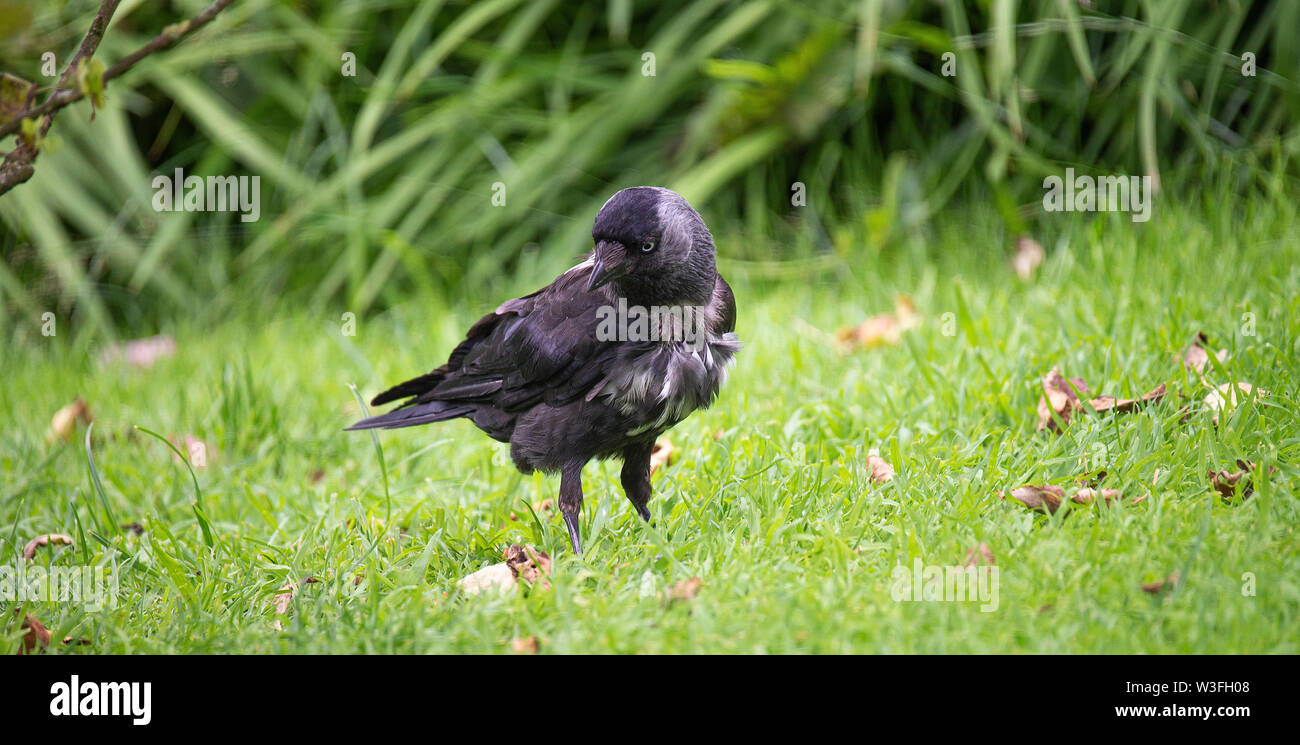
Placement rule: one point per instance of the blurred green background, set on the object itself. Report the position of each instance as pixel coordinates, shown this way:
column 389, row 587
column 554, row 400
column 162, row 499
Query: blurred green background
column 377, row 187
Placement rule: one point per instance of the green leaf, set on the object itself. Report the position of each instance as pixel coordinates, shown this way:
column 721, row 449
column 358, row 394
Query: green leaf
column 13, row 96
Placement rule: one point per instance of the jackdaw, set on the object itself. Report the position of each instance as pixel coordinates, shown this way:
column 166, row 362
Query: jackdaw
column 599, row 363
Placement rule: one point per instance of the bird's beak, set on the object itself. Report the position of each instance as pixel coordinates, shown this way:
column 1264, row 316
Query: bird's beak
column 607, row 264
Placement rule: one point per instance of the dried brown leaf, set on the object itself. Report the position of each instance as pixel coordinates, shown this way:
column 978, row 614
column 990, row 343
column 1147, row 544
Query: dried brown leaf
column 196, row 451
column 1125, row 405
column 281, row 601
column 1196, row 357
column 1088, row 495
column 141, row 353
column 36, row 634
column 1225, row 483
column 687, row 589
column 531, row 564
column 1029, row 254
column 886, row 328
column 526, row 645
column 521, row 562
column 881, row 471
column 63, row 425
column 1058, row 398
column 495, row 577
column 1224, row 397
column 1046, row 498
column 662, row 455
column 29, row 551
column 1160, row 585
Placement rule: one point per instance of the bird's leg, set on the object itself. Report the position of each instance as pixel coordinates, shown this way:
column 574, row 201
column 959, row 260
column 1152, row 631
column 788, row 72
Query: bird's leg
column 571, row 501
column 636, row 477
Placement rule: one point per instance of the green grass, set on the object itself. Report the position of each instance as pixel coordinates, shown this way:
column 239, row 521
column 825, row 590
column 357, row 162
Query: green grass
column 549, row 99
column 777, row 517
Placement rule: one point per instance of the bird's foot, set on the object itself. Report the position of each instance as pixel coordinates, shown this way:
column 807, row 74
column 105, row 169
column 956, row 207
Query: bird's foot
column 571, row 520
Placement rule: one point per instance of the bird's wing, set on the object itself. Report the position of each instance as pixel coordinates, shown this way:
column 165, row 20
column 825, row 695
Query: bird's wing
column 722, row 311
column 540, row 347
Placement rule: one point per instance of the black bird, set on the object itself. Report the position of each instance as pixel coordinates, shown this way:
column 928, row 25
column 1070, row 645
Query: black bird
column 552, row 374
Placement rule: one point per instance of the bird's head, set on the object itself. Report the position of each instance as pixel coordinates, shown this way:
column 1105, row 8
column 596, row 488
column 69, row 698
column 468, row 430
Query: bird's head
column 653, row 248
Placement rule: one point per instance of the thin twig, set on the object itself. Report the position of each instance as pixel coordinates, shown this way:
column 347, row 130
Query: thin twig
column 17, row 166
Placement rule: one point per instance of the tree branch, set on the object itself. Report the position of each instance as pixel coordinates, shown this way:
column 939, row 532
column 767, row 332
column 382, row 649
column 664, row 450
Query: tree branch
column 18, row 164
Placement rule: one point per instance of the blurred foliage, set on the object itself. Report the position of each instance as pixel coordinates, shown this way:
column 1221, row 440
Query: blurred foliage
column 380, row 185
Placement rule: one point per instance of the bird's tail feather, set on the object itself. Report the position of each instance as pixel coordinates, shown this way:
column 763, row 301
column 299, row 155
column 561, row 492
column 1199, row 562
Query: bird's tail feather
column 410, row 416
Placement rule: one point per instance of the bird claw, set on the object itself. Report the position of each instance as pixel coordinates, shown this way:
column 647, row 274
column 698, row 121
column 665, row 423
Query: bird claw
column 571, row 521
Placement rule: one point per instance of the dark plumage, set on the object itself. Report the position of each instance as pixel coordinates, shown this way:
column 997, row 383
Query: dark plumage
column 537, row 374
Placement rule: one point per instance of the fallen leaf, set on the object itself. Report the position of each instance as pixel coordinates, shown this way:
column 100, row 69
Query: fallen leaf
column 134, row 527
column 1125, row 405
column 1048, row 497
column 284, row 597
column 1088, row 495
column 1029, row 254
column 494, row 577
column 1042, row 498
column 687, row 589
column 196, row 451
column 63, row 425
column 886, row 328
column 36, row 634
column 1226, row 483
column 527, row 645
column 29, row 551
column 1224, row 397
column 1060, row 399
column 141, row 353
column 1196, row 357
column 881, row 471
column 662, row 455
column 1157, row 587
column 317, row 475
column 533, row 565
column 980, row 554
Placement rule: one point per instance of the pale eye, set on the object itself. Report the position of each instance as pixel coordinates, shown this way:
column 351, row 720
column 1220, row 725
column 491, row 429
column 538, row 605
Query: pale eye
column 647, row 246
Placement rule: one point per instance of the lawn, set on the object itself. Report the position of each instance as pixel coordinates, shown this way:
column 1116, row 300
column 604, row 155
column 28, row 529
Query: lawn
column 769, row 503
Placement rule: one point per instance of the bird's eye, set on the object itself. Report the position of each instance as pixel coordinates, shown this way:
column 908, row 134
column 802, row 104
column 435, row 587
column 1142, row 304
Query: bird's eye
column 647, row 246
